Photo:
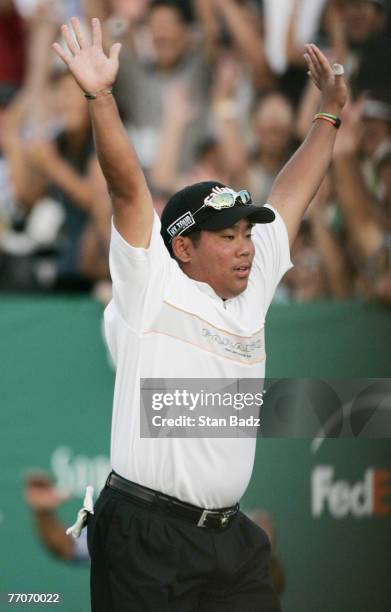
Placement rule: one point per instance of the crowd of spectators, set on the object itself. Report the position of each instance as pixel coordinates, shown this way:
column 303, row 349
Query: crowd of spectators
column 208, row 90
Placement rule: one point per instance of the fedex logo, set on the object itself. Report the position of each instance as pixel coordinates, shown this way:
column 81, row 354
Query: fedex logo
column 370, row 496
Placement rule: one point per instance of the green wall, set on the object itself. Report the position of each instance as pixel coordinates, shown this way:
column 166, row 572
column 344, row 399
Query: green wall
column 55, row 396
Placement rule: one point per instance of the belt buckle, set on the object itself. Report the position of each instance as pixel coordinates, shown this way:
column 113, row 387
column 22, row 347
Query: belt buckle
column 224, row 517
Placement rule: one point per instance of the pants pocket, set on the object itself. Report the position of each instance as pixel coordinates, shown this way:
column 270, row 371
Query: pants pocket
column 92, row 519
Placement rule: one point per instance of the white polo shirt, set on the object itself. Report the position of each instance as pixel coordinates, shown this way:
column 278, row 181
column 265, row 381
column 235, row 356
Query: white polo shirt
column 162, row 324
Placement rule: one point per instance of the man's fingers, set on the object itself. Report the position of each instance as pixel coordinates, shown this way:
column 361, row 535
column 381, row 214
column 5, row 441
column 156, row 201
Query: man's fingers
column 317, row 66
column 338, row 69
column 315, row 74
column 79, row 33
column 324, row 64
column 312, row 71
column 315, row 82
column 339, row 74
column 309, row 63
column 96, row 32
column 66, row 57
column 69, row 39
column 114, row 51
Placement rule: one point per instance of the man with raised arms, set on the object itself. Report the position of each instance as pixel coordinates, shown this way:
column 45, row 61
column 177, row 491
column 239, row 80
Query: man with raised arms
column 190, row 296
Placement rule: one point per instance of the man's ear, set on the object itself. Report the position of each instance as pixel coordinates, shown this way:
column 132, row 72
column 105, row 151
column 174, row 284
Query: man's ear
column 182, row 248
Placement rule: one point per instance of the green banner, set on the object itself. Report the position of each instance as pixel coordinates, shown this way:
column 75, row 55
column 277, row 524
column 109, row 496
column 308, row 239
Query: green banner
column 330, row 499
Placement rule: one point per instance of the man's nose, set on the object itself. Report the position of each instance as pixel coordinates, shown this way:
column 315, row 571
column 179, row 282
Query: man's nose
column 244, row 246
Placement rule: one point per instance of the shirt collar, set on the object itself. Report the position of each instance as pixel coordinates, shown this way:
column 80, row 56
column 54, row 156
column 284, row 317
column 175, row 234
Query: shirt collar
column 208, row 290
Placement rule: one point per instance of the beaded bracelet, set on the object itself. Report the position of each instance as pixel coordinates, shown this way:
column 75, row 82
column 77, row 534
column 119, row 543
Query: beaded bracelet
column 333, row 119
column 93, row 95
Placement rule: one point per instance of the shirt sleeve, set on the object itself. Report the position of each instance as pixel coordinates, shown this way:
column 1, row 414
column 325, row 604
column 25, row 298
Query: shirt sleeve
column 139, row 276
column 272, row 255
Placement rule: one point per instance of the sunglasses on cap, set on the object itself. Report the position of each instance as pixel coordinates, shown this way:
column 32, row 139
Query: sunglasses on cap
column 226, row 199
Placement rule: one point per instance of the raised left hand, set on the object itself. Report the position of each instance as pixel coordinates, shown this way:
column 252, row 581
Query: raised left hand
column 332, row 86
column 91, row 68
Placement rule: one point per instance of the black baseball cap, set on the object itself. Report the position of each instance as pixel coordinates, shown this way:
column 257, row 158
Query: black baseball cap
column 194, row 208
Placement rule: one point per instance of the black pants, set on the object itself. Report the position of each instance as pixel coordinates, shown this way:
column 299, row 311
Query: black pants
column 144, row 560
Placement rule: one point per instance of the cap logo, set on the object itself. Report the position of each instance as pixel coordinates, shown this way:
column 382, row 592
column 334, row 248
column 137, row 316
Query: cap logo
column 181, row 224
column 221, row 203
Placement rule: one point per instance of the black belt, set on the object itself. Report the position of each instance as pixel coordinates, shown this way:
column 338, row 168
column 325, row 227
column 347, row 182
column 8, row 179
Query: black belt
column 213, row 519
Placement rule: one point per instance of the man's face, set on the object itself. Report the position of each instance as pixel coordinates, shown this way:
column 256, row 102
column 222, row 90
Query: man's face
column 223, row 259
column 170, row 36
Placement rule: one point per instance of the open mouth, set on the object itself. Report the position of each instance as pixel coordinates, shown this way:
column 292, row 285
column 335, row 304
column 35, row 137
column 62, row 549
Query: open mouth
column 242, row 271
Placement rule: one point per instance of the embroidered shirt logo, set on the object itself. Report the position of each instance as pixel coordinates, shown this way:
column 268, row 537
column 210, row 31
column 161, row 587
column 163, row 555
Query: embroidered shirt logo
column 247, row 350
column 185, row 326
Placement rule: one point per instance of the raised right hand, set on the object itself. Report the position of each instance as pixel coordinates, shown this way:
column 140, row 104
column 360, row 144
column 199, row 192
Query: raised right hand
column 88, row 63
